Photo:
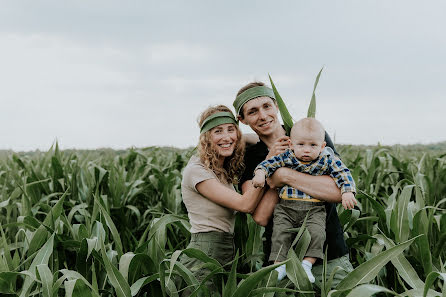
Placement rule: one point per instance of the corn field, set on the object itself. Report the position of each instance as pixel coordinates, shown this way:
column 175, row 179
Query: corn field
column 112, row 223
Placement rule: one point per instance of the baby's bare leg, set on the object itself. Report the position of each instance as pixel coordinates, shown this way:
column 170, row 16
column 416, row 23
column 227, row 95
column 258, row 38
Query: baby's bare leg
column 310, row 259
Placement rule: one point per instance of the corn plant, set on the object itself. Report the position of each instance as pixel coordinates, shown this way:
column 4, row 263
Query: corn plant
column 111, row 223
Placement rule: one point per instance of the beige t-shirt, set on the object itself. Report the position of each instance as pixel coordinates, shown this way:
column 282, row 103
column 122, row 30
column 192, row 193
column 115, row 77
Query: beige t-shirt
column 204, row 215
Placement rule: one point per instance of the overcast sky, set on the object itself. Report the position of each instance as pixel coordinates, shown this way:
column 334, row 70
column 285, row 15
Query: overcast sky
column 138, row 73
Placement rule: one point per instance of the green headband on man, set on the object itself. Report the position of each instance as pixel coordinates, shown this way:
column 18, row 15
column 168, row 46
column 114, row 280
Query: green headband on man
column 251, row 93
column 216, row 119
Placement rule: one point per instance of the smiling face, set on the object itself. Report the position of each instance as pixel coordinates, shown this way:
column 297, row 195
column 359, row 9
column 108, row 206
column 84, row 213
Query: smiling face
column 221, row 148
column 261, row 115
column 224, row 140
column 307, row 139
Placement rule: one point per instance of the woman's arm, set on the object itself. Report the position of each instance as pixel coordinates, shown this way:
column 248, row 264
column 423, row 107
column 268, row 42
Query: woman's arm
column 321, row 187
column 265, row 208
column 218, row 193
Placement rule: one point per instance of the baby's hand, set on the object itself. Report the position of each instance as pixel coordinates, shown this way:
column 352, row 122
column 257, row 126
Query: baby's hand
column 258, row 180
column 349, row 200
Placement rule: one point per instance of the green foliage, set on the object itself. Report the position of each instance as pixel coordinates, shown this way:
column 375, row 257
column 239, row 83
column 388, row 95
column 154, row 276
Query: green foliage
column 311, row 113
column 111, row 223
column 285, row 114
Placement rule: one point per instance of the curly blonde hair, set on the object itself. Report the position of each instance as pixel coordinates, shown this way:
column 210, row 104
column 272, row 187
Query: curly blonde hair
column 232, row 166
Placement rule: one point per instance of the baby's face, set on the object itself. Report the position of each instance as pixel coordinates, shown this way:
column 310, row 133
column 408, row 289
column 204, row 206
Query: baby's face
column 307, row 145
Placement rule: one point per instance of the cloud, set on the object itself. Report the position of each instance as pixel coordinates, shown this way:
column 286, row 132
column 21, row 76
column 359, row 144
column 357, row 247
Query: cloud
column 43, row 61
column 174, row 52
column 120, row 74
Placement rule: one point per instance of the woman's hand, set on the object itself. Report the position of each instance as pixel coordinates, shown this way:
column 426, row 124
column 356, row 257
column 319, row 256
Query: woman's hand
column 265, row 208
column 280, row 146
column 258, row 181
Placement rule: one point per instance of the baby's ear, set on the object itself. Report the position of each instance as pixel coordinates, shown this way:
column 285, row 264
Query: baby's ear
column 323, row 145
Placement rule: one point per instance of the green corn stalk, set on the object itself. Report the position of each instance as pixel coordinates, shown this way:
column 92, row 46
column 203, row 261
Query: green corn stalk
column 53, row 246
column 285, row 114
column 312, row 108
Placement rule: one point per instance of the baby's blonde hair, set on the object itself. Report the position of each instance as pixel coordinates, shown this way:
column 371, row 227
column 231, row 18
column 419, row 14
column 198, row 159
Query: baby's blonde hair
column 310, row 125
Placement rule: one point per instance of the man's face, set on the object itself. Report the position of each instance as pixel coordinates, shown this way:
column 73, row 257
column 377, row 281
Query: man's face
column 261, row 115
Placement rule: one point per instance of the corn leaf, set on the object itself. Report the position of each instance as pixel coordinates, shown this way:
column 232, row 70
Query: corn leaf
column 297, row 274
column 312, row 108
column 430, row 280
column 231, row 284
column 112, row 227
column 250, row 283
column 74, row 275
column 368, row 290
column 122, row 288
column 42, row 257
column 140, row 265
column 77, row 288
column 406, row 271
column 303, row 243
column 46, row 277
column 403, row 220
column 285, row 114
column 6, row 252
column 368, row 270
column 142, row 282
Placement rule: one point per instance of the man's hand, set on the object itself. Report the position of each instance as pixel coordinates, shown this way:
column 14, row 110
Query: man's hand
column 348, row 200
column 276, row 180
column 280, row 146
column 258, row 180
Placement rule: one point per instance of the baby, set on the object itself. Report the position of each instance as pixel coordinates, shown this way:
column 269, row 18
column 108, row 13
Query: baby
column 309, row 155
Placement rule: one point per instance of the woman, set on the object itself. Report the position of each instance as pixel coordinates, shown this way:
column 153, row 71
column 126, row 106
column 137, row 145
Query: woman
column 208, row 191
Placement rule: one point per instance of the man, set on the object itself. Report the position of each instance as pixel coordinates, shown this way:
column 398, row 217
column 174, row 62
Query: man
column 255, row 105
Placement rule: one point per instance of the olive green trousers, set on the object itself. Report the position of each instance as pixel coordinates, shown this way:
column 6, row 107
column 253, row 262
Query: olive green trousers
column 217, row 245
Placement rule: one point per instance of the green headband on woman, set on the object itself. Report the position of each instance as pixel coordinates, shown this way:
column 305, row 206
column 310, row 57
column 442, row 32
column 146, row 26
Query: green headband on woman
column 216, row 119
column 251, row 93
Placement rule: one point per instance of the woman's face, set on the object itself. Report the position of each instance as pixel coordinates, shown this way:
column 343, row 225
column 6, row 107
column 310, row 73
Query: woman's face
column 224, row 139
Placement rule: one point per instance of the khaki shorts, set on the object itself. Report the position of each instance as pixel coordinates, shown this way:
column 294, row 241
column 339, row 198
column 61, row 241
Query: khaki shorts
column 291, row 214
